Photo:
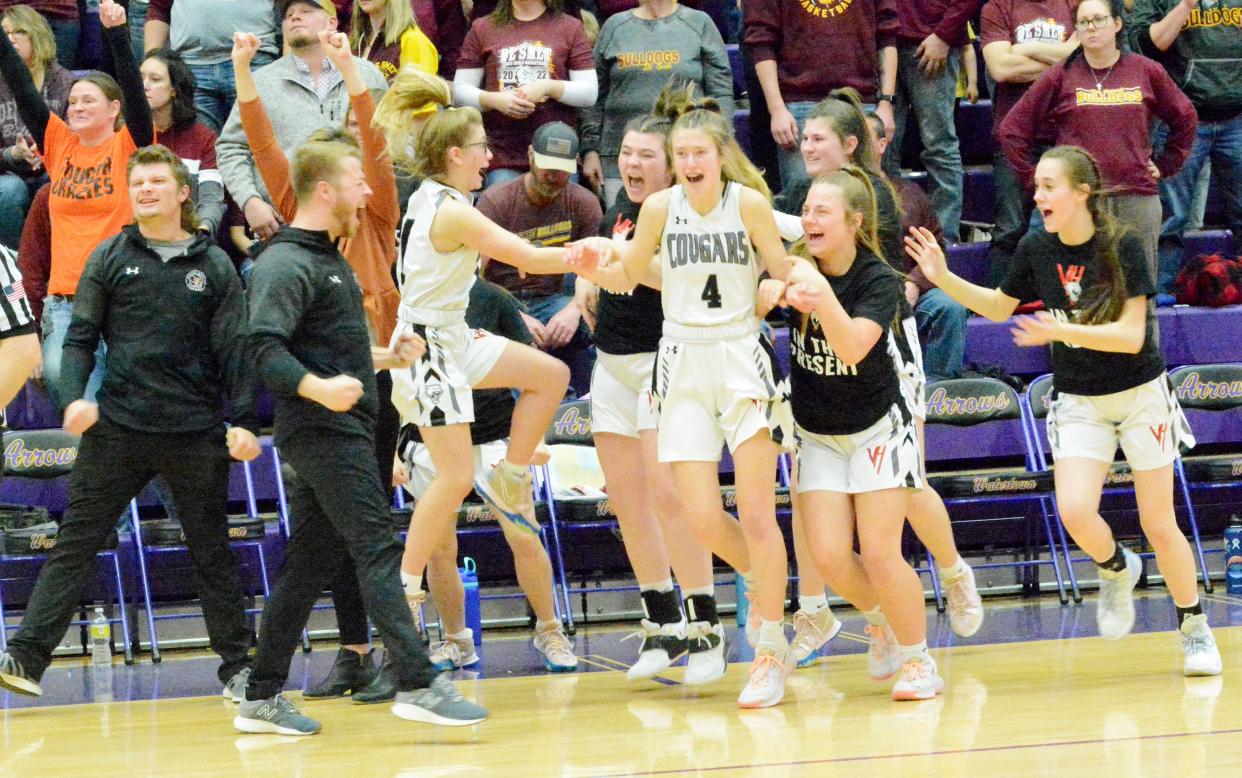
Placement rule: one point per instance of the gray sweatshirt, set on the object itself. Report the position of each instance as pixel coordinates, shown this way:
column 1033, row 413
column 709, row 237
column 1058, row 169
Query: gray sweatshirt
column 295, row 112
column 635, row 58
column 202, row 30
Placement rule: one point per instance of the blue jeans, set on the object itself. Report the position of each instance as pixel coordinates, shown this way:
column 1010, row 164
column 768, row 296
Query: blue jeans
column 933, row 101
column 14, row 203
column 942, row 332
column 57, row 313
column 136, row 15
column 578, row 352
column 216, row 90
column 1221, row 142
column 789, row 162
column 65, row 32
column 500, row 175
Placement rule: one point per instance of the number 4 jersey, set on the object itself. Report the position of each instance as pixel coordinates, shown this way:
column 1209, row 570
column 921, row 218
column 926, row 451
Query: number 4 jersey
column 709, row 268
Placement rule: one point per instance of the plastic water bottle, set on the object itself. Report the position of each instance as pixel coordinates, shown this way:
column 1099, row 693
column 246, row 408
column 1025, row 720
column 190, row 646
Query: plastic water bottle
column 1233, row 555
column 101, row 640
column 743, row 603
column 474, row 611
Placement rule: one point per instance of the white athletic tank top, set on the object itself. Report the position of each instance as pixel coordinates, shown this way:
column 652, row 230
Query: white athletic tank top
column 709, row 268
column 435, row 287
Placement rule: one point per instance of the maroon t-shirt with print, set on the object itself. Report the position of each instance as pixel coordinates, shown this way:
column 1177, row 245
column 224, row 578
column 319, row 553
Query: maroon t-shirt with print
column 1023, row 21
column 516, row 54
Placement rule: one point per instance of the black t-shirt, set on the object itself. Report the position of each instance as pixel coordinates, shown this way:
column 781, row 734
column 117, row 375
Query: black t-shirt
column 833, row 398
column 1046, row 269
column 493, row 309
column 627, row 323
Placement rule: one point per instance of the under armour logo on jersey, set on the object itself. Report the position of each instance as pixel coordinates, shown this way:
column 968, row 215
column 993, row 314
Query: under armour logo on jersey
column 876, row 455
column 131, row 271
column 334, row 279
column 680, row 220
column 1158, row 433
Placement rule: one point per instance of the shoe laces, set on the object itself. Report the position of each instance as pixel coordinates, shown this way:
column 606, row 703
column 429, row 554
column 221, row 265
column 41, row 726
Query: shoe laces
column 447, row 649
column 284, row 706
column 915, row 670
column 699, row 635
column 878, row 637
column 806, row 631
column 445, row 688
column 1199, row 641
column 959, row 596
column 554, row 641
column 763, row 666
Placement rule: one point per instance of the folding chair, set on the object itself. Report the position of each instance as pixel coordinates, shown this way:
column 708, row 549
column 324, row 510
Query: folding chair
column 246, row 532
column 1120, row 480
column 991, row 409
column 45, row 455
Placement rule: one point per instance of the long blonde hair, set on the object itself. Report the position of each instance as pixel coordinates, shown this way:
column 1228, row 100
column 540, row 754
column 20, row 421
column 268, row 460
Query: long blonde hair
column 412, row 95
column 689, row 110
column 400, row 18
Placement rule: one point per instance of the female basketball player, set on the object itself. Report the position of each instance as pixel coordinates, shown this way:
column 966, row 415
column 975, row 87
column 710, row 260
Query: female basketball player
column 858, row 452
column 715, row 380
column 1109, row 383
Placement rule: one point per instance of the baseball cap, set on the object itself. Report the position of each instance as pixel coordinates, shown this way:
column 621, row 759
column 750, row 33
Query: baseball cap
column 556, row 147
column 325, row 5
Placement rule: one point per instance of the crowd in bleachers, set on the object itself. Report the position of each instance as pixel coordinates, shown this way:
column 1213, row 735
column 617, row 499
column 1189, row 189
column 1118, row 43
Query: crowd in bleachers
column 1153, row 88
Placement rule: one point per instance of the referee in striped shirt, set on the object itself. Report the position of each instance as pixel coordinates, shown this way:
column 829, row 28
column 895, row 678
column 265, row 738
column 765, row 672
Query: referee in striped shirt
column 19, row 345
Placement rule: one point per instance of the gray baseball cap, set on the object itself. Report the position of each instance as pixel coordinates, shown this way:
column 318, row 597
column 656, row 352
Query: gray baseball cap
column 556, row 147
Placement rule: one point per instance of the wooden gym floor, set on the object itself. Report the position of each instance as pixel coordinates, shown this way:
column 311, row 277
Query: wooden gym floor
column 1034, row 694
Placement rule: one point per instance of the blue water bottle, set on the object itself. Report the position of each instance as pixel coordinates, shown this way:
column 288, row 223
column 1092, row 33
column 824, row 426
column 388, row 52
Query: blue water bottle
column 1233, row 555
column 474, row 612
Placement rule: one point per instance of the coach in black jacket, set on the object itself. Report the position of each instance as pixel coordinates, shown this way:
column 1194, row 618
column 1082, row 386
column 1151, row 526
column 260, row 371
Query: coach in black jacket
column 169, row 307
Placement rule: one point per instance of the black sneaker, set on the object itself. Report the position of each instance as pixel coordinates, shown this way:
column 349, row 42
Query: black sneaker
column 351, row 672
column 383, row 688
column 15, row 678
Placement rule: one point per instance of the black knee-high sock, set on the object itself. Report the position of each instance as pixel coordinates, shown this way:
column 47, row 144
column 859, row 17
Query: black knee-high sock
column 1117, row 562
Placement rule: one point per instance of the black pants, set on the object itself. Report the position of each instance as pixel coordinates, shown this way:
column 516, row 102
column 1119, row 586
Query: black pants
column 338, row 506
column 1011, row 219
column 113, row 465
column 351, row 612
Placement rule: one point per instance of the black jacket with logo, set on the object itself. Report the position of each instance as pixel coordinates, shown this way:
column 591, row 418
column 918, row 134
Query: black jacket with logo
column 306, row 316
column 175, row 333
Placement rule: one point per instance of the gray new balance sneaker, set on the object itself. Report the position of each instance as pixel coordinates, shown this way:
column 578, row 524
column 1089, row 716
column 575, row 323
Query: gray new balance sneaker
column 274, row 716
column 15, row 678
column 235, row 689
column 440, row 703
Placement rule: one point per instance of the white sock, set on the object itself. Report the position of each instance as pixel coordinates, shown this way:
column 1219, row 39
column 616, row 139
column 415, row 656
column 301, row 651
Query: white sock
column 709, row 591
column 916, row 651
column 465, row 636
column 543, row 626
column 953, row 571
column 812, row 604
column 413, row 584
column 772, row 635
column 875, row 617
column 659, row 586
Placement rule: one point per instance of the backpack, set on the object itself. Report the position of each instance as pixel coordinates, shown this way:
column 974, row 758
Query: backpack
column 1210, row 280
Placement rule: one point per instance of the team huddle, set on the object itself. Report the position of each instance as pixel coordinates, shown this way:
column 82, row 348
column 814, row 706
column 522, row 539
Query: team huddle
column 690, row 263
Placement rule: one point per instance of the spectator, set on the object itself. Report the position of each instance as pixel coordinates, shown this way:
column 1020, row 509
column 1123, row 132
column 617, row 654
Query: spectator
column 927, row 66
column 302, row 92
column 21, row 170
column 448, row 32
column 201, row 31
column 638, row 52
column 169, row 86
column 85, row 155
column 386, row 33
column 1104, row 100
column 787, row 41
column 1203, row 54
column 510, row 70
column 62, row 18
column 547, row 209
column 34, row 254
column 1022, row 39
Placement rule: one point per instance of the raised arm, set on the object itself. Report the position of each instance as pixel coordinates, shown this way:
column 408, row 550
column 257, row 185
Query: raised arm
column 30, row 104
column 269, row 158
column 923, row 248
column 133, row 97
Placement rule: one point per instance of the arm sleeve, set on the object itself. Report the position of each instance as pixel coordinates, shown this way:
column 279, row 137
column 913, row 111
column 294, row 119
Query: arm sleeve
column 1144, row 14
column 761, row 29
column 581, row 89
column 268, row 156
column 34, row 253
column 228, row 344
column 133, row 97
column 509, row 316
column 1018, row 283
column 160, row 11
column 376, row 163
column 90, row 303
column 30, row 104
column 1174, row 109
column 887, row 24
column 1017, row 132
column 952, row 26
column 717, row 72
column 1133, row 259
column 993, row 26
column 591, row 118
column 210, row 205
column 418, row 50
column 279, row 293
column 235, row 160
column 467, row 86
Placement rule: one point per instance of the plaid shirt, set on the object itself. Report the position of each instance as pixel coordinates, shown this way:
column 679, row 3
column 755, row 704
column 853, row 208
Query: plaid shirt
column 329, row 77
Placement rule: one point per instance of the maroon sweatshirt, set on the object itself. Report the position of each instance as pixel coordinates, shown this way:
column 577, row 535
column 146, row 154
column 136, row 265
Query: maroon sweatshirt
column 1113, row 123
column 800, row 36
column 946, row 18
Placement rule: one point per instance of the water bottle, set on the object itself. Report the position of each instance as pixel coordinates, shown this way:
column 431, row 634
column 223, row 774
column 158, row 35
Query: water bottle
column 743, row 603
column 474, row 612
column 101, row 640
column 1233, row 555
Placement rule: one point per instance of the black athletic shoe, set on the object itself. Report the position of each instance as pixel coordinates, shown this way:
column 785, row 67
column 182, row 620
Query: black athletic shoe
column 15, row 678
column 351, row 672
column 383, row 688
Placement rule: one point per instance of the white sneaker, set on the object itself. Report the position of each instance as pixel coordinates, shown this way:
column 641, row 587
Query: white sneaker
column 765, row 686
column 415, row 601
column 752, row 619
column 811, row 633
column 965, row 606
column 707, row 661
column 454, row 654
column 919, row 680
column 883, row 657
column 557, row 650
column 1115, row 614
column 662, row 645
column 1198, row 647
column 509, row 490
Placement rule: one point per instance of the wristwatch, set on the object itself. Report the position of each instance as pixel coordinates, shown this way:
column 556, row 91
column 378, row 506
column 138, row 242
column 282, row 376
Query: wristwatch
column 881, row 97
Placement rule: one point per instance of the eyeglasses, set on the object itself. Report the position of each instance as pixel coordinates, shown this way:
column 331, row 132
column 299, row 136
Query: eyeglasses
column 1096, row 23
column 16, row 32
column 482, row 143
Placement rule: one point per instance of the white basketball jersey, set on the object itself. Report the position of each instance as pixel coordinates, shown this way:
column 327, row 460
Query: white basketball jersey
column 709, row 269
column 431, row 280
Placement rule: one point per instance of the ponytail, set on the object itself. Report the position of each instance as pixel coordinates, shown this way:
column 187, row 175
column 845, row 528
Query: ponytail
column 413, row 96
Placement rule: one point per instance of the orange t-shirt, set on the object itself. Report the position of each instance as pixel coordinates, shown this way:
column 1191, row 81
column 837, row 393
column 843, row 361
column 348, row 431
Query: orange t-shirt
column 89, row 199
